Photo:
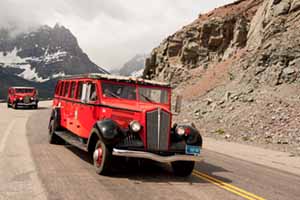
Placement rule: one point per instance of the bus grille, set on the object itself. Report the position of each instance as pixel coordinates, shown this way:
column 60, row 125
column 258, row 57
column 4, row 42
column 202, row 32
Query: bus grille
column 158, row 128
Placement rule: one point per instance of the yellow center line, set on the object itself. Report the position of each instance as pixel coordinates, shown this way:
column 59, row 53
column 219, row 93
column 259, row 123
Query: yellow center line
column 228, row 187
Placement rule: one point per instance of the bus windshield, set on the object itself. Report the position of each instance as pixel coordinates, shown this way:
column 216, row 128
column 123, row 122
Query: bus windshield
column 145, row 94
column 153, row 95
column 24, row 90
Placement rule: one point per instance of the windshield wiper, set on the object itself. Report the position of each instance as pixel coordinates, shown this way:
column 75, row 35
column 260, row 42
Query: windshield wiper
column 113, row 94
column 148, row 99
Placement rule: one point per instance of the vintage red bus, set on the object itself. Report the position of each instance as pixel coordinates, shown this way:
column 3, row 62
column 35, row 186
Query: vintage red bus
column 22, row 96
column 121, row 116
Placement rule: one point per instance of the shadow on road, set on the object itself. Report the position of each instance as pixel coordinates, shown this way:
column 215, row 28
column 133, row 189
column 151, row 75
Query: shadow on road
column 29, row 108
column 149, row 171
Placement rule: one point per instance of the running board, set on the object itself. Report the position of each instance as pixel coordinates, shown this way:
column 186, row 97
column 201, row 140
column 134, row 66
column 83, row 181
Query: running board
column 72, row 139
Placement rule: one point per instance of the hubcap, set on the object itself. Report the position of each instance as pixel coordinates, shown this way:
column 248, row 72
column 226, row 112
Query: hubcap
column 98, row 154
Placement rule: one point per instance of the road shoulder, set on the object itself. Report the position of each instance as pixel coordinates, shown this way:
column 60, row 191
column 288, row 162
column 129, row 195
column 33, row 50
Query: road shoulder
column 269, row 158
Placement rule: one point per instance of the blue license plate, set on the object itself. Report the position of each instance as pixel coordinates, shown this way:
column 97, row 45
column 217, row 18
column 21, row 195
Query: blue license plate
column 192, row 150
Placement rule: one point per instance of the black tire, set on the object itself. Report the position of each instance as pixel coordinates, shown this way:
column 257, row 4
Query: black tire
column 35, row 106
column 53, row 138
column 183, row 168
column 102, row 168
column 15, row 106
column 8, row 106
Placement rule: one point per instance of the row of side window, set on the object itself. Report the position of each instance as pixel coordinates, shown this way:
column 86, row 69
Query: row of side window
column 79, row 90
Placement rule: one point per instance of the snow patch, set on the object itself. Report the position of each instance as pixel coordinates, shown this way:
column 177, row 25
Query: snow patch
column 60, row 74
column 138, row 73
column 8, row 58
column 30, row 74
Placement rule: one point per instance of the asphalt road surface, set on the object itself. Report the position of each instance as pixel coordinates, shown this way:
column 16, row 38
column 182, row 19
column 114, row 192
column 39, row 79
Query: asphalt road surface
column 30, row 168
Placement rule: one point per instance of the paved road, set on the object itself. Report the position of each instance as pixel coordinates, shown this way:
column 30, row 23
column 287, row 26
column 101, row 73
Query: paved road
column 30, row 168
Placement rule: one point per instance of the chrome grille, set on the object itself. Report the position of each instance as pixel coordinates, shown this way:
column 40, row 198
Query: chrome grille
column 158, row 125
column 27, row 99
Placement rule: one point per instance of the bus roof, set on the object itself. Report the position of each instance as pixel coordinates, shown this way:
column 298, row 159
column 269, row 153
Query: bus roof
column 127, row 79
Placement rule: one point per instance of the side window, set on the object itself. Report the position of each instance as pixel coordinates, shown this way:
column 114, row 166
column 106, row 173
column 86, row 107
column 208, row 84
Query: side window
column 61, row 92
column 67, row 84
column 79, row 90
column 93, row 96
column 73, row 87
column 57, row 88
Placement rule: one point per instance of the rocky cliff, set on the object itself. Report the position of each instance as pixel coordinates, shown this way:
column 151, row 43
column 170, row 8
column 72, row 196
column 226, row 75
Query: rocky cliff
column 238, row 68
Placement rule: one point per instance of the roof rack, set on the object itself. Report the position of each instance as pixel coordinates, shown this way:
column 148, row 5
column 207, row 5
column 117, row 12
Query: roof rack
column 127, row 79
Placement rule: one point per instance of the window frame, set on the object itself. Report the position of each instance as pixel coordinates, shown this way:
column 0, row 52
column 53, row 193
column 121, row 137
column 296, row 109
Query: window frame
column 66, row 89
column 71, row 91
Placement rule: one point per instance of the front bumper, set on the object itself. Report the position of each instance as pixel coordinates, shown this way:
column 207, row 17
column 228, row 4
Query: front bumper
column 155, row 157
column 27, row 104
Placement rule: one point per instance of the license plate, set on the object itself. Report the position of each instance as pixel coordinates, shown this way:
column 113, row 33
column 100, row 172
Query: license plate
column 192, row 150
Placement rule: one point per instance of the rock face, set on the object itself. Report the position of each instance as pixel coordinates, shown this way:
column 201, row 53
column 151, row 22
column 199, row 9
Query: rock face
column 43, row 54
column 273, row 43
column 238, row 69
column 211, row 38
column 134, row 67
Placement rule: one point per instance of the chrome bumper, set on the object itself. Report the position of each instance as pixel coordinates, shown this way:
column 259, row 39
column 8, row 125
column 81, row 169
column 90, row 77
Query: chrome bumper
column 155, row 157
column 27, row 104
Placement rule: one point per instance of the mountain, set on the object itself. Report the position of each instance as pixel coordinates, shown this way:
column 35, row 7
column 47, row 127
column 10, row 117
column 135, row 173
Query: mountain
column 39, row 56
column 134, row 67
column 43, row 54
column 238, row 69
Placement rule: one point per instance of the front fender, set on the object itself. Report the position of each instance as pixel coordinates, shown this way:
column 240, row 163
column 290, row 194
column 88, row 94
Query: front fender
column 193, row 138
column 109, row 131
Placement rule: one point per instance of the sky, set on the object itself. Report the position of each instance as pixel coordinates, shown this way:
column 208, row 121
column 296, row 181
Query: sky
column 111, row 32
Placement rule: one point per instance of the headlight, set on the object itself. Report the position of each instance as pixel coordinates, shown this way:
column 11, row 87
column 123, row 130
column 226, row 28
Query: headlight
column 180, row 131
column 32, row 98
column 21, row 98
column 135, row 126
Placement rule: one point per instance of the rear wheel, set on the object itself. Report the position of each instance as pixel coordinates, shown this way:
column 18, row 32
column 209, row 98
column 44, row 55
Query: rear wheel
column 102, row 158
column 183, row 168
column 53, row 138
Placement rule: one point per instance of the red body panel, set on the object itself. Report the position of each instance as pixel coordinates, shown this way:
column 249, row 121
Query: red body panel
column 80, row 117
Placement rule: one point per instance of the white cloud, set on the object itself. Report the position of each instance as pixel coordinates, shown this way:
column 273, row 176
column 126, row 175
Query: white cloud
column 109, row 31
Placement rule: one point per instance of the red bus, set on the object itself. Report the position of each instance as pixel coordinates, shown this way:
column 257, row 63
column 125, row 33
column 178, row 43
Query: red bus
column 114, row 116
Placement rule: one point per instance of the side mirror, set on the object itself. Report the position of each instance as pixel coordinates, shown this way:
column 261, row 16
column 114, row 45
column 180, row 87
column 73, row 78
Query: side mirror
column 178, row 104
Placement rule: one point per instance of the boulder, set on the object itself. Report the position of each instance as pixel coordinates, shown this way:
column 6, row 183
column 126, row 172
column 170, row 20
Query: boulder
column 295, row 5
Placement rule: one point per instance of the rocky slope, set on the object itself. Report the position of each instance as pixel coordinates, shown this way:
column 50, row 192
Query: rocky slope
column 238, row 68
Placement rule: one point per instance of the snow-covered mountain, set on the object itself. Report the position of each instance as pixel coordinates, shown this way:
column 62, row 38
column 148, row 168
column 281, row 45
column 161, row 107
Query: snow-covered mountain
column 134, row 67
column 43, row 54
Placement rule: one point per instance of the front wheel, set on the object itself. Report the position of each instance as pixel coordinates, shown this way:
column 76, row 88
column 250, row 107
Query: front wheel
column 102, row 158
column 15, row 105
column 183, row 168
